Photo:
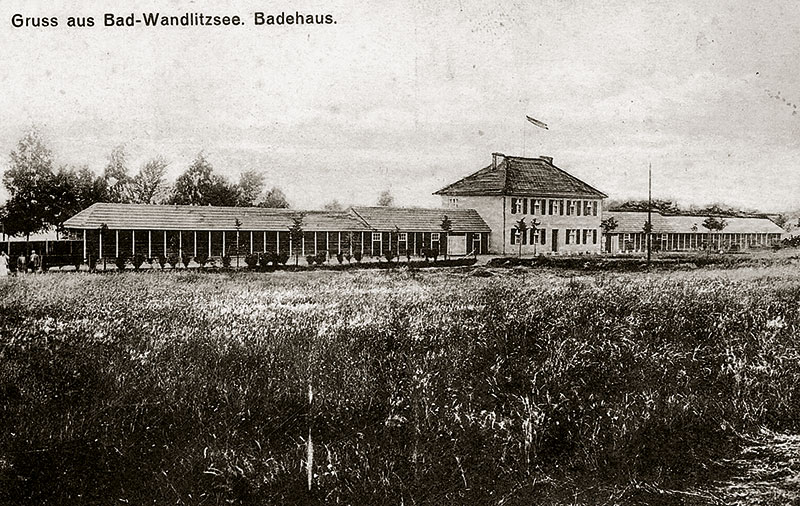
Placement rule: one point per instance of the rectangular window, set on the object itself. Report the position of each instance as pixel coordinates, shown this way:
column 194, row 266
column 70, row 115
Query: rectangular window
column 586, row 205
column 594, row 236
column 568, row 236
column 536, row 207
column 516, row 206
column 534, row 236
column 513, row 236
column 402, row 236
column 550, row 207
column 376, row 236
column 578, row 207
column 585, row 236
column 594, row 208
column 570, row 208
column 434, row 236
column 524, row 206
column 542, row 236
column 560, row 207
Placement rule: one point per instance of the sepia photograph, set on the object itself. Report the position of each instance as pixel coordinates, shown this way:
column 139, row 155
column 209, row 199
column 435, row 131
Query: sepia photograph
column 405, row 252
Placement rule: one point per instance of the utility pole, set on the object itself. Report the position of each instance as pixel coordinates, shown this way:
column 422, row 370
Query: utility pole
column 649, row 208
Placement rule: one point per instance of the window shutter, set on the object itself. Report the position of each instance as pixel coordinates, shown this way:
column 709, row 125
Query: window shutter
column 542, row 236
column 594, row 236
column 566, row 236
column 524, row 206
column 513, row 207
column 524, row 238
column 594, row 208
column 561, row 208
column 569, row 204
column 513, row 236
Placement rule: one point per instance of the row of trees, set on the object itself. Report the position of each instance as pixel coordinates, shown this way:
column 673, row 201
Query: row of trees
column 42, row 195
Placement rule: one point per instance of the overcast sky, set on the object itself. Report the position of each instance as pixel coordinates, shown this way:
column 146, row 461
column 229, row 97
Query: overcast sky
column 410, row 96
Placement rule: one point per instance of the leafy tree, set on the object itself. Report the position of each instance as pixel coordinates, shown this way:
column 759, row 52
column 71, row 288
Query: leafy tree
column 714, row 224
column 534, row 226
column 782, row 221
column 663, row 206
column 522, row 227
column 386, row 199
column 333, row 205
column 251, row 186
column 149, row 182
column 608, row 225
column 116, row 181
column 447, row 226
column 296, row 236
column 275, row 199
column 199, row 186
column 28, row 181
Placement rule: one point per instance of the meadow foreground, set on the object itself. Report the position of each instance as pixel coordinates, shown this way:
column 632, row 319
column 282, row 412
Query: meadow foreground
column 428, row 387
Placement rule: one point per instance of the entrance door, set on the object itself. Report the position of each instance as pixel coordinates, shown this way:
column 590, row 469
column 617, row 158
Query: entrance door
column 554, row 240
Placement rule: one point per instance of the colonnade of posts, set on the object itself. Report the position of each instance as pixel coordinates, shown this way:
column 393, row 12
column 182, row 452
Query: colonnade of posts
column 107, row 243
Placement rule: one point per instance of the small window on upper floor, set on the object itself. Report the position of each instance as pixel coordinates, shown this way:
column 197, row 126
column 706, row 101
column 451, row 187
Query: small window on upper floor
column 376, row 236
column 434, row 236
column 402, row 237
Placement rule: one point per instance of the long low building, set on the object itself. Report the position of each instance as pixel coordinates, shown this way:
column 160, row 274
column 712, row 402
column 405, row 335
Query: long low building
column 111, row 230
column 686, row 232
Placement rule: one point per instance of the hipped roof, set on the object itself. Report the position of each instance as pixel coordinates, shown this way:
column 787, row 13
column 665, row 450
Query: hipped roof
column 516, row 175
column 419, row 220
column 631, row 222
column 162, row 217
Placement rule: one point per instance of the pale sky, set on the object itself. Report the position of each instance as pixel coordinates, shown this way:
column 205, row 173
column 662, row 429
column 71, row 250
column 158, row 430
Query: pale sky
column 410, row 96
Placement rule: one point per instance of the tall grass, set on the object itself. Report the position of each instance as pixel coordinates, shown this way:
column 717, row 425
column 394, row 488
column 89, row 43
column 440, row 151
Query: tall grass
column 437, row 388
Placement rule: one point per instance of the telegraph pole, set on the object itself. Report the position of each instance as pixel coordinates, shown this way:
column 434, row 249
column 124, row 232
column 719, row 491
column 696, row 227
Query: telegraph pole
column 649, row 208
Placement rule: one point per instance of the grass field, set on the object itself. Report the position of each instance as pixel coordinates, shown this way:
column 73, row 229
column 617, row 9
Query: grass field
column 530, row 386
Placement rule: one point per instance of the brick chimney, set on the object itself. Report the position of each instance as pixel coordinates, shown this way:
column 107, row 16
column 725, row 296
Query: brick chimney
column 495, row 156
column 548, row 159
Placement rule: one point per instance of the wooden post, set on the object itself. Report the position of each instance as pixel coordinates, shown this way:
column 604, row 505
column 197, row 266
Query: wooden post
column 149, row 244
column 180, row 244
column 265, row 242
column 223, row 243
column 101, row 244
column 133, row 242
column 116, row 244
column 165, row 243
column 84, row 244
column 362, row 243
column 315, row 243
column 303, row 245
column 251, row 242
column 339, row 244
column 195, row 243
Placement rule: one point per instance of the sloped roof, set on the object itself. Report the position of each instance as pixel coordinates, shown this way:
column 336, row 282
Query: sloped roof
column 158, row 217
column 631, row 222
column 418, row 220
column 516, row 175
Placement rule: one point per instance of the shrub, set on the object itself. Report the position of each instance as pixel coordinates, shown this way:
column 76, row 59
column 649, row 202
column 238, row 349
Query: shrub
column 348, row 256
column 92, row 263
column 310, row 259
column 76, row 261
column 389, row 255
column 173, row 259
column 358, row 255
column 251, row 260
column 321, row 257
column 137, row 261
column 201, row 260
column 120, row 261
column 339, row 257
column 283, row 257
column 226, row 261
column 185, row 259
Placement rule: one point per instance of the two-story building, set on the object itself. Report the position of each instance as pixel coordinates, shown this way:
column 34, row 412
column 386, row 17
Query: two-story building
column 562, row 213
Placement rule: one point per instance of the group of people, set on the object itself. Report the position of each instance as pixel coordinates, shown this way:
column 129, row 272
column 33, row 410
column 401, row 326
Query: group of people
column 32, row 264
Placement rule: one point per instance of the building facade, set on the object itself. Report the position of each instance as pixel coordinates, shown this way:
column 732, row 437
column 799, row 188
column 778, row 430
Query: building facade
column 687, row 233
column 112, row 230
column 562, row 214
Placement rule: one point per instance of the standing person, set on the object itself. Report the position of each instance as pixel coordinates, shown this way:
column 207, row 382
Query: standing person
column 3, row 264
column 22, row 266
column 36, row 262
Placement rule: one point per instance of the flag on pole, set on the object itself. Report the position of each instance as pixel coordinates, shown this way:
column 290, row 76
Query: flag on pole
column 537, row 123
